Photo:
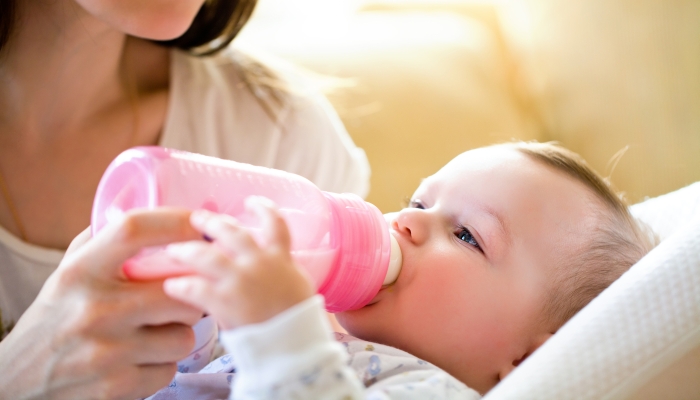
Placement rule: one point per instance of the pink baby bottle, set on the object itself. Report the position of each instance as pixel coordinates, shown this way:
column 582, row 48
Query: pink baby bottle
column 342, row 241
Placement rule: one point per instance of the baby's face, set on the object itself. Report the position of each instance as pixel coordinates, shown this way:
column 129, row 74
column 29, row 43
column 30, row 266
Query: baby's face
column 480, row 240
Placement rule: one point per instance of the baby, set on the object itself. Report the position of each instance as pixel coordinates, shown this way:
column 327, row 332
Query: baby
column 501, row 247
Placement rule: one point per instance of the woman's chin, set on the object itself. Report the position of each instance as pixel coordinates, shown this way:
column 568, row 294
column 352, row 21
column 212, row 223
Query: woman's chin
column 162, row 30
column 161, row 20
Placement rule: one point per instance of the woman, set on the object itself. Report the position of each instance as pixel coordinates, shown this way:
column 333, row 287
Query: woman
column 81, row 81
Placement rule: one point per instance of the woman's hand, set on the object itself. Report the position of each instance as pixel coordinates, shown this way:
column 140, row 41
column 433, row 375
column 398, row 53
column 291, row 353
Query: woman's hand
column 91, row 333
column 239, row 281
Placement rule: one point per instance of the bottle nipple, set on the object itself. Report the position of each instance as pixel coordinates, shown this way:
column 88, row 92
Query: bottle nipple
column 395, row 261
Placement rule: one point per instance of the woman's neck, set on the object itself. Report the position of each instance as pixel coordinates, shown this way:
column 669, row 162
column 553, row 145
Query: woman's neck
column 67, row 108
column 60, row 69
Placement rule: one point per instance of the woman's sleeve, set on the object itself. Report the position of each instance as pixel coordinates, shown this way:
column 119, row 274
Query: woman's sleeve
column 294, row 355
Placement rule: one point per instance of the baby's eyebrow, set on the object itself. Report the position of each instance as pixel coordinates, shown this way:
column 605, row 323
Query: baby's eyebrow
column 503, row 226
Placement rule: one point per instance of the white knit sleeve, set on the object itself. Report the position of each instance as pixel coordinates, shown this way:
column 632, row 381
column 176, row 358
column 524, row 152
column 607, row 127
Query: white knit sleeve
column 292, row 355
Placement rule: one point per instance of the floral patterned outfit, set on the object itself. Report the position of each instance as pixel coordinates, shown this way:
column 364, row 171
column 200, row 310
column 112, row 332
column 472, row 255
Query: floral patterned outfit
column 294, row 356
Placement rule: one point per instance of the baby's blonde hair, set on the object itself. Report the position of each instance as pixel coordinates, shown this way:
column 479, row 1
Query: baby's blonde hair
column 616, row 243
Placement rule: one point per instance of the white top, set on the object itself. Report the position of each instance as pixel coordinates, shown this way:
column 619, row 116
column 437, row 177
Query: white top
column 211, row 111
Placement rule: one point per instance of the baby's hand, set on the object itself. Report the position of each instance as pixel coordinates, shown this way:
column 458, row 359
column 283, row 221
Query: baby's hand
column 239, row 281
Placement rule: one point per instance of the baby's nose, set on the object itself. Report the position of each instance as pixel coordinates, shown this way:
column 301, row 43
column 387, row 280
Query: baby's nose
column 413, row 223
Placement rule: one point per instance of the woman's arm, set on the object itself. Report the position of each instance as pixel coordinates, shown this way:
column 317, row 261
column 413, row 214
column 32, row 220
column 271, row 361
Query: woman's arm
column 92, row 333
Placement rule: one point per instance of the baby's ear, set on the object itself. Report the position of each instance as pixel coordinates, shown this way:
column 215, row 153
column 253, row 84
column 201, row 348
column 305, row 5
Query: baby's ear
column 536, row 342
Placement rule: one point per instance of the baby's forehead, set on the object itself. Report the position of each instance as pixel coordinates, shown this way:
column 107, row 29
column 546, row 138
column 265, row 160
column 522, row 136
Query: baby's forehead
column 490, row 156
column 483, row 160
column 501, row 164
column 526, row 193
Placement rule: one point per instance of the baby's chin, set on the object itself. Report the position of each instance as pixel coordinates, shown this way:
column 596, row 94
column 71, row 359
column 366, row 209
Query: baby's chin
column 353, row 322
column 364, row 324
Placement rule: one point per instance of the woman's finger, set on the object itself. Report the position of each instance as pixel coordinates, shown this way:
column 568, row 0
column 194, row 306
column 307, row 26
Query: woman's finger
column 150, row 378
column 134, row 382
column 162, row 344
column 78, row 241
column 146, row 303
column 127, row 382
column 118, row 241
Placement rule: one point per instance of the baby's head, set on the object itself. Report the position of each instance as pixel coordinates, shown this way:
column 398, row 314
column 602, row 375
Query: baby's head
column 501, row 247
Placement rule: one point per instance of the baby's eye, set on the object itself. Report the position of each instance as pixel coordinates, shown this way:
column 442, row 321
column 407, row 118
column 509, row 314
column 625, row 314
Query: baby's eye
column 464, row 235
column 416, row 203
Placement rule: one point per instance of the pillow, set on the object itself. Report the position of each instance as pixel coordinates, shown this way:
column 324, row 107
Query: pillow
column 644, row 323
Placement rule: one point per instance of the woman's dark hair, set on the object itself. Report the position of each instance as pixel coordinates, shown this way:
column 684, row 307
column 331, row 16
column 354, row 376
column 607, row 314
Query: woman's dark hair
column 214, row 27
column 7, row 19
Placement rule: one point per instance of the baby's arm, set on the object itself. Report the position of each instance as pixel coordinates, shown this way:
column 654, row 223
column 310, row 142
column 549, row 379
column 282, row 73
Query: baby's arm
column 274, row 326
column 272, row 323
column 237, row 280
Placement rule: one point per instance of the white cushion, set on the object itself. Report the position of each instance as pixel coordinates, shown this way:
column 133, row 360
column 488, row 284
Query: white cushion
column 636, row 329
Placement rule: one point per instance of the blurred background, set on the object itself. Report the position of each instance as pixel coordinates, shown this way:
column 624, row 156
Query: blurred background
column 433, row 78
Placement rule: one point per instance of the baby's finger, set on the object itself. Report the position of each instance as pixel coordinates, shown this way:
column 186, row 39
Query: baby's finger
column 225, row 230
column 193, row 290
column 272, row 222
column 206, row 258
